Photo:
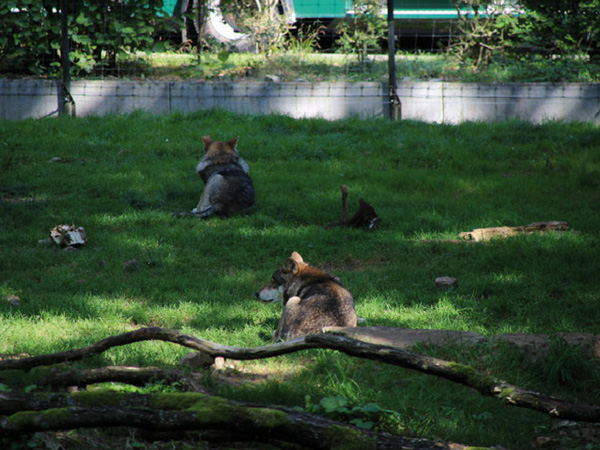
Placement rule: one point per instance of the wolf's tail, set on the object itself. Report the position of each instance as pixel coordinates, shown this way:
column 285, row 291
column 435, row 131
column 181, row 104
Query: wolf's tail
column 202, row 213
column 194, row 212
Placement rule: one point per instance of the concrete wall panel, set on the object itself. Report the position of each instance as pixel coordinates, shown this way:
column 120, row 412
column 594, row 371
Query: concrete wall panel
column 439, row 102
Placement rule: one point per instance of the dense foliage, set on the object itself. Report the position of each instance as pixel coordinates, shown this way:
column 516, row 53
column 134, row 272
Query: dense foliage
column 562, row 26
column 30, row 41
column 527, row 30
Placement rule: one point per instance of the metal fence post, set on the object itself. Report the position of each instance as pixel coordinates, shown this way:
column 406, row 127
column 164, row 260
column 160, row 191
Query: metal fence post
column 394, row 101
column 66, row 104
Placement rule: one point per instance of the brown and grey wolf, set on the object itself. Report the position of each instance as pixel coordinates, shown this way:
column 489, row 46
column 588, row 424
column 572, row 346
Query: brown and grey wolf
column 312, row 299
column 228, row 188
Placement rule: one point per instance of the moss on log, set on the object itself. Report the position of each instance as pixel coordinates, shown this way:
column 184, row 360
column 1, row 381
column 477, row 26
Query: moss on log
column 29, row 413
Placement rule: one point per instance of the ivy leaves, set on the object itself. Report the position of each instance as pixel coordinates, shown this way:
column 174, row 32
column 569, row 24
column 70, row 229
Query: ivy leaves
column 338, row 407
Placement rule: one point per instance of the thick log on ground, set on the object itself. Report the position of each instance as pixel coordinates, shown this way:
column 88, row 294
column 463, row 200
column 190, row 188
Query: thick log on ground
column 29, row 413
column 485, row 234
column 458, row 373
column 486, row 384
column 135, row 376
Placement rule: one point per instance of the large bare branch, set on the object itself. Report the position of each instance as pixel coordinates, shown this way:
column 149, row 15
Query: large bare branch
column 157, row 334
column 458, row 373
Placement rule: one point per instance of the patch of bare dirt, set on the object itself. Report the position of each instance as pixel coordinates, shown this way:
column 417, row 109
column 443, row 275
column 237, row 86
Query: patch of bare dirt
column 241, row 372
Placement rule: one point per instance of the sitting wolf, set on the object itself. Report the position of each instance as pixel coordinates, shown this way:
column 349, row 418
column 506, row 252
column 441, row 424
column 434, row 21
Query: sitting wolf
column 228, row 188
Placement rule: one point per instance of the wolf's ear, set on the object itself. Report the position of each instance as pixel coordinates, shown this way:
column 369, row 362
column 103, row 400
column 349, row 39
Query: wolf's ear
column 233, row 142
column 293, row 262
column 291, row 266
column 296, row 257
column 207, row 141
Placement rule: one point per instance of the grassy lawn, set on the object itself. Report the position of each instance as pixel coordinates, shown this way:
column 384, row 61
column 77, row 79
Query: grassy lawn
column 122, row 177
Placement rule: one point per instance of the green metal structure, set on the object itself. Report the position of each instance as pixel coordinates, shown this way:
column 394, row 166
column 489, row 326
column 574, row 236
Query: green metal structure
column 221, row 25
column 415, row 9
column 337, row 9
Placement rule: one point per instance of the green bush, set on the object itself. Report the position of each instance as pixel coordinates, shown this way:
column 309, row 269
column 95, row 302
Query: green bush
column 562, row 26
column 30, row 39
column 483, row 28
column 363, row 33
column 100, row 33
column 495, row 32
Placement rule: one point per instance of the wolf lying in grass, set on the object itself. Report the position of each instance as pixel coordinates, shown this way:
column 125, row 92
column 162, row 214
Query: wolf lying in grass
column 228, row 188
column 312, row 299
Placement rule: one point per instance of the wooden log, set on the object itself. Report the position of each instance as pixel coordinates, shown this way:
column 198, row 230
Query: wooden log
column 30, row 413
column 485, row 234
column 137, row 376
column 159, row 334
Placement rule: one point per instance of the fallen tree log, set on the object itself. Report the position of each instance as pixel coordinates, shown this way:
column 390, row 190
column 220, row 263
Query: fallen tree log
column 29, row 413
column 485, row 234
column 486, row 384
column 135, row 376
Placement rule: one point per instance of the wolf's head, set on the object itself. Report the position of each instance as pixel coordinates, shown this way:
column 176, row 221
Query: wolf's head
column 273, row 292
column 219, row 154
column 290, row 278
column 220, row 150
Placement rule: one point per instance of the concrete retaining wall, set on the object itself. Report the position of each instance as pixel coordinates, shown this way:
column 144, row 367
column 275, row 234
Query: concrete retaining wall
column 427, row 101
column 535, row 102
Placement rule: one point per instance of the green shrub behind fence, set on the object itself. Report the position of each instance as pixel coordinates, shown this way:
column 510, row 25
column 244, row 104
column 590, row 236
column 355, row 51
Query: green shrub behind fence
column 99, row 31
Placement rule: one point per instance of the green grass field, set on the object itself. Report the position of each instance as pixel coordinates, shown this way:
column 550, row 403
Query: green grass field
column 125, row 175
